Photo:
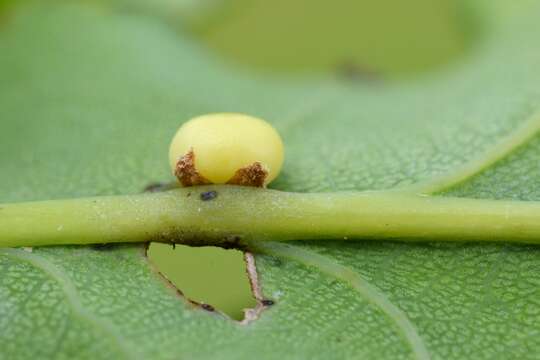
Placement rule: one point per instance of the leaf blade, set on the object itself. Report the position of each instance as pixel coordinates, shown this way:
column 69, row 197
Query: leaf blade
column 314, row 314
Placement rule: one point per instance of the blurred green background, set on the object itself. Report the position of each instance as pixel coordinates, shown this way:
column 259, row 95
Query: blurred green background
column 389, row 39
column 386, row 36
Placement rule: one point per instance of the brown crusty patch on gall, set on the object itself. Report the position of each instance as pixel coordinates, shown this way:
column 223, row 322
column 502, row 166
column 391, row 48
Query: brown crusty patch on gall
column 252, row 175
column 186, row 173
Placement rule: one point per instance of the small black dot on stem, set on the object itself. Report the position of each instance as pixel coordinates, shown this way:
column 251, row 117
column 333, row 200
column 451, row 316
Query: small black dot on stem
column 209, row 195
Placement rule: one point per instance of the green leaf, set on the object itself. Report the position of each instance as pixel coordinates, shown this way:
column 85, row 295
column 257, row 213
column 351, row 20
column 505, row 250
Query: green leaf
column 89, row 97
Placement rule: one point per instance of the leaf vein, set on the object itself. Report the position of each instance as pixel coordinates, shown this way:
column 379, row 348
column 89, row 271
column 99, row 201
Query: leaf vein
column 499, row 151
column 370, row 292
column 73, row 297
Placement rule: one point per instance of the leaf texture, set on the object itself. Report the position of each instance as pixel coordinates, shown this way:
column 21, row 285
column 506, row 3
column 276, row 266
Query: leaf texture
column 89, row 96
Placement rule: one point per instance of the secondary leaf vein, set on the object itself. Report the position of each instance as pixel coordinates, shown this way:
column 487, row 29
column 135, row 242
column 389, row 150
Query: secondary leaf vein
column 370, row 292
column 73, row 298
column 500, row 150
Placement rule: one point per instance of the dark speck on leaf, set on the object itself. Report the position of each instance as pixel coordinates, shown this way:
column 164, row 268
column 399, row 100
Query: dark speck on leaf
column 159, row 186
column 267, row 302
column 103, row 247
column 153, row 187
column 207, row 307
column 353, row 72
column 209, row 195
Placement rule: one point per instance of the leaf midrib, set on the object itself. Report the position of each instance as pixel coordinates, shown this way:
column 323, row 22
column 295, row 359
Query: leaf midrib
column 499, row 151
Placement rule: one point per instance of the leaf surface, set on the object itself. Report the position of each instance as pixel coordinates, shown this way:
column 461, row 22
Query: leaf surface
column 89, row 97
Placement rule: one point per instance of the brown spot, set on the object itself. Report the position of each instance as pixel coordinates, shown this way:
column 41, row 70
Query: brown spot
column 145, row 248
column 252, row 175
column 233, row 242
column 207, row 307
column 267, row 302
column 152, row 187
column 186, row 173
column 354, row 72
column 160, row 186
column 103, row 247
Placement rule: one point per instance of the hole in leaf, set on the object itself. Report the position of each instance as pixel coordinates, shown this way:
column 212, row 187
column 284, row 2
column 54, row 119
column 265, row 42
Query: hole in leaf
column 207, row 275
column 384, row 37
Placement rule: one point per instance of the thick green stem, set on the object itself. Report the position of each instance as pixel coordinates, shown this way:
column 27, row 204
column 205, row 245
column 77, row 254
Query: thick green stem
column 240, row 215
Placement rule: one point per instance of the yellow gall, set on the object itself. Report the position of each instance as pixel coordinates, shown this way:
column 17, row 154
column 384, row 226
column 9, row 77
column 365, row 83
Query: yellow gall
column 226, row 148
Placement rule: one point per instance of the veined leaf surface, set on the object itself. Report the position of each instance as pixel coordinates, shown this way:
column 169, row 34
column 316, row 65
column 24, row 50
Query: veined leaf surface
column 89, row 97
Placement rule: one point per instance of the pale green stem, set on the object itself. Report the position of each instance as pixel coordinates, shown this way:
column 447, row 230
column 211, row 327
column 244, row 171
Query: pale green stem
column 240, row 215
